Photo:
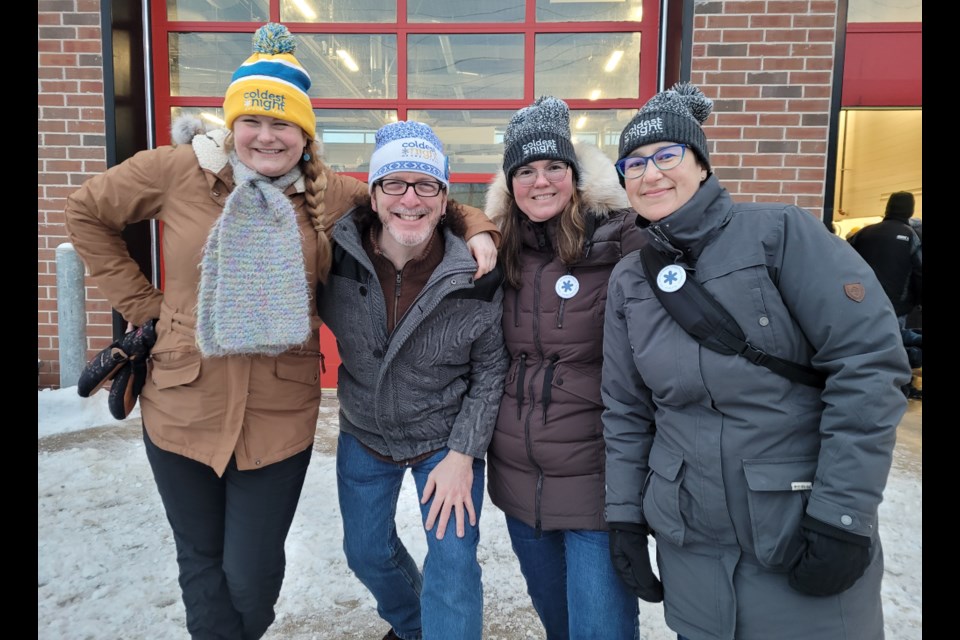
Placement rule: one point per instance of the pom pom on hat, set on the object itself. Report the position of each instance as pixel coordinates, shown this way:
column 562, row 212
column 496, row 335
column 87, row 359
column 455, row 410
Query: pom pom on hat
column 408, row 146
column 674, row 115
column 900, row 205
column 540, row 131
column 271, row 82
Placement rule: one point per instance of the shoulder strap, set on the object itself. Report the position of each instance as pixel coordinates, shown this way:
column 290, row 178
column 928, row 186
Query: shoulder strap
column 710, row 324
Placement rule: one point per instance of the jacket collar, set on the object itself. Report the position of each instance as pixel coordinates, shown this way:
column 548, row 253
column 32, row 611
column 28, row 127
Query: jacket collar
column 690, row 228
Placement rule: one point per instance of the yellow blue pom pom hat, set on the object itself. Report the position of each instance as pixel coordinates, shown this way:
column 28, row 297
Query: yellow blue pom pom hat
column 271, row 82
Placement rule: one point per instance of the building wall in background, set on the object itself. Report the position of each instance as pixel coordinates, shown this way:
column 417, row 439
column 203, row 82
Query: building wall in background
column 71, row 147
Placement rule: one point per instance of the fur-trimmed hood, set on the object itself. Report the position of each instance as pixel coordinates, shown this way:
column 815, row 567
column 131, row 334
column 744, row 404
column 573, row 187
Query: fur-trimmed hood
column 207, row 144
column 599, row 187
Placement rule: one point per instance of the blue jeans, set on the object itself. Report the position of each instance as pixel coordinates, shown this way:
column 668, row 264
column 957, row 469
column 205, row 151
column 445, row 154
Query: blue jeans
column 446, row 600
column 574, row 587
column 229, row 533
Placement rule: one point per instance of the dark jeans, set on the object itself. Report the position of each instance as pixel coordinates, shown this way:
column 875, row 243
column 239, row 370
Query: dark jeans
column 230, row 533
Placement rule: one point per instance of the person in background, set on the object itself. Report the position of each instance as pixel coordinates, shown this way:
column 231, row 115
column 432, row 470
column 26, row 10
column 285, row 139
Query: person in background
column 761, row 493
column 895, row 253
column 231, row 393
column 565, row 223
column 419, row 386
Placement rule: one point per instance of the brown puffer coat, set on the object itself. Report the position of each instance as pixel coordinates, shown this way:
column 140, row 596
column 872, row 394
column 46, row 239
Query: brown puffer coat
column 546, row 460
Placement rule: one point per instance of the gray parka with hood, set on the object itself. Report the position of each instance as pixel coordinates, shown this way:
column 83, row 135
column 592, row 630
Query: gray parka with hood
column 721, row 458
column 435, row 380
column 545, row 462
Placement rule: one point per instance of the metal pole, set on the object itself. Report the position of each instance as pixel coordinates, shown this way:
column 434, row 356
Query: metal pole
column 71, row 315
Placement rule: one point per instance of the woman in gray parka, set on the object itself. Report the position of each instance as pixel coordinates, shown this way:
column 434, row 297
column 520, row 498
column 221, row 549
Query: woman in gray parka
column 761, row 493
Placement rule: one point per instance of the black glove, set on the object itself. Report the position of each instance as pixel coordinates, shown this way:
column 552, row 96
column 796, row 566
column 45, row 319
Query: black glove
column 124, row 362
column 833, row 560
column 628, row 552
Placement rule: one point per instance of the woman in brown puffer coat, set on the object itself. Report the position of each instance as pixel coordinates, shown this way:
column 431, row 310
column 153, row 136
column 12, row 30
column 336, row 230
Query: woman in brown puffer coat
column 564, row 226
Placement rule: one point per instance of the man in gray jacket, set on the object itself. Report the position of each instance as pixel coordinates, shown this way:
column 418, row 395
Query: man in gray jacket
column 419, row 387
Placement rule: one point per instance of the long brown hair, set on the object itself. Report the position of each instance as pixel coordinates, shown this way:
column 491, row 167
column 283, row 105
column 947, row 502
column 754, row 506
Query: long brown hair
column 315, row 176
column 571, row 235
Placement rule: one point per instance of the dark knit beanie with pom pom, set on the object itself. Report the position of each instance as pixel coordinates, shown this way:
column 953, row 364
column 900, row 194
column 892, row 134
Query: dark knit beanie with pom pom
column 674, row 115
column 540, row 131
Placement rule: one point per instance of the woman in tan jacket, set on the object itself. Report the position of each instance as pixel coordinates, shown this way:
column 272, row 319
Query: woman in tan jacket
column 231, row 398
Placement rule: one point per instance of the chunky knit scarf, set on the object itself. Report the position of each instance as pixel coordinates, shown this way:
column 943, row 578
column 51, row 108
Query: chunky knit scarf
column 253, row 296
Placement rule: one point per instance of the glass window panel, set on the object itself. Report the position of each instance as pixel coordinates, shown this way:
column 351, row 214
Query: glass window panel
column 340, row 66
column 218, row 10
column 348, row 136
column 201, row 64
column 588, row 66
column 600, row 127
column 212, row 117
column 358, row 66
column 589, row 10
column 465, row 67
column 472, row 140
column 472, row 193
column 338, row 10
column 465, row 11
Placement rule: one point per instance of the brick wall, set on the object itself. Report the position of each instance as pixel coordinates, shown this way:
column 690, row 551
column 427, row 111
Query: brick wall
column 70, row 149
column 768, row 66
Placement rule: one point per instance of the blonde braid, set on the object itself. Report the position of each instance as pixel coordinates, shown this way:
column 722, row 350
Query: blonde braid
column 316, row 188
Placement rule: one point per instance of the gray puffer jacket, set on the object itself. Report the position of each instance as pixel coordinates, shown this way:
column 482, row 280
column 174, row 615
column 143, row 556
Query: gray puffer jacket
column 546, row 460
column 721, row 457
column 436, row 380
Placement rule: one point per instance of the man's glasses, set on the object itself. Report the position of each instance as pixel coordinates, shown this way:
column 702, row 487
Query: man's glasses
column 664, row 159
column 426, row 189
column 555, row 172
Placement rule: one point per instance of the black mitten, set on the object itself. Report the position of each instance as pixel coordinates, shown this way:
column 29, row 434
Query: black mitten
column 833, row 560
column 631, row 559
column 132, row 347
column 126, row 387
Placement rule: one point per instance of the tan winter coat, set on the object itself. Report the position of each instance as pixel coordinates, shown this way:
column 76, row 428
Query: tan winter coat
column 261, row 408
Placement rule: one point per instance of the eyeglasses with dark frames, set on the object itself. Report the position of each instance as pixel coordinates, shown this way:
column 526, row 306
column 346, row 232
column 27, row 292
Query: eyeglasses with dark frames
column 554, row 172
column 664, row 159
column 424, row 189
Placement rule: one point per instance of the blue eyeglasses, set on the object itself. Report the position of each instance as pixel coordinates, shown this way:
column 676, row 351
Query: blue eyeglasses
column 664, row 159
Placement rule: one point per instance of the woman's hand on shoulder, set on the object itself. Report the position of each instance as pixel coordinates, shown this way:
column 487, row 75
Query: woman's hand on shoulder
column 484, row 251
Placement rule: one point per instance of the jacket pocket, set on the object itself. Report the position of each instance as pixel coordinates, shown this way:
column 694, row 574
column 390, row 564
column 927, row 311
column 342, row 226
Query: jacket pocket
column 174, row 368
column 299, row 368
column 579, row 382
column 777, row 496
column 661, row 494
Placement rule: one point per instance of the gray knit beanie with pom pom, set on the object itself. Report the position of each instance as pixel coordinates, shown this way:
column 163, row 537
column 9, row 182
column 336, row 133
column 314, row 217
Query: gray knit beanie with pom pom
column 674, row 115
column 540, row 131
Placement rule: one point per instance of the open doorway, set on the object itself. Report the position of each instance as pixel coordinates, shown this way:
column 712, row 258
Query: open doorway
column 879, row 151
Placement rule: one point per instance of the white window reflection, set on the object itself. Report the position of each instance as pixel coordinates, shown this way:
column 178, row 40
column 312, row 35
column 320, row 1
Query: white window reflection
column 218, row 10
column 359, row 66
column 348, row 136
column 465, row 11
column 465, row 66
column 592, row 66
column 202, row 64
column 472, row 139
column 589, row 10
column 334, row 11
